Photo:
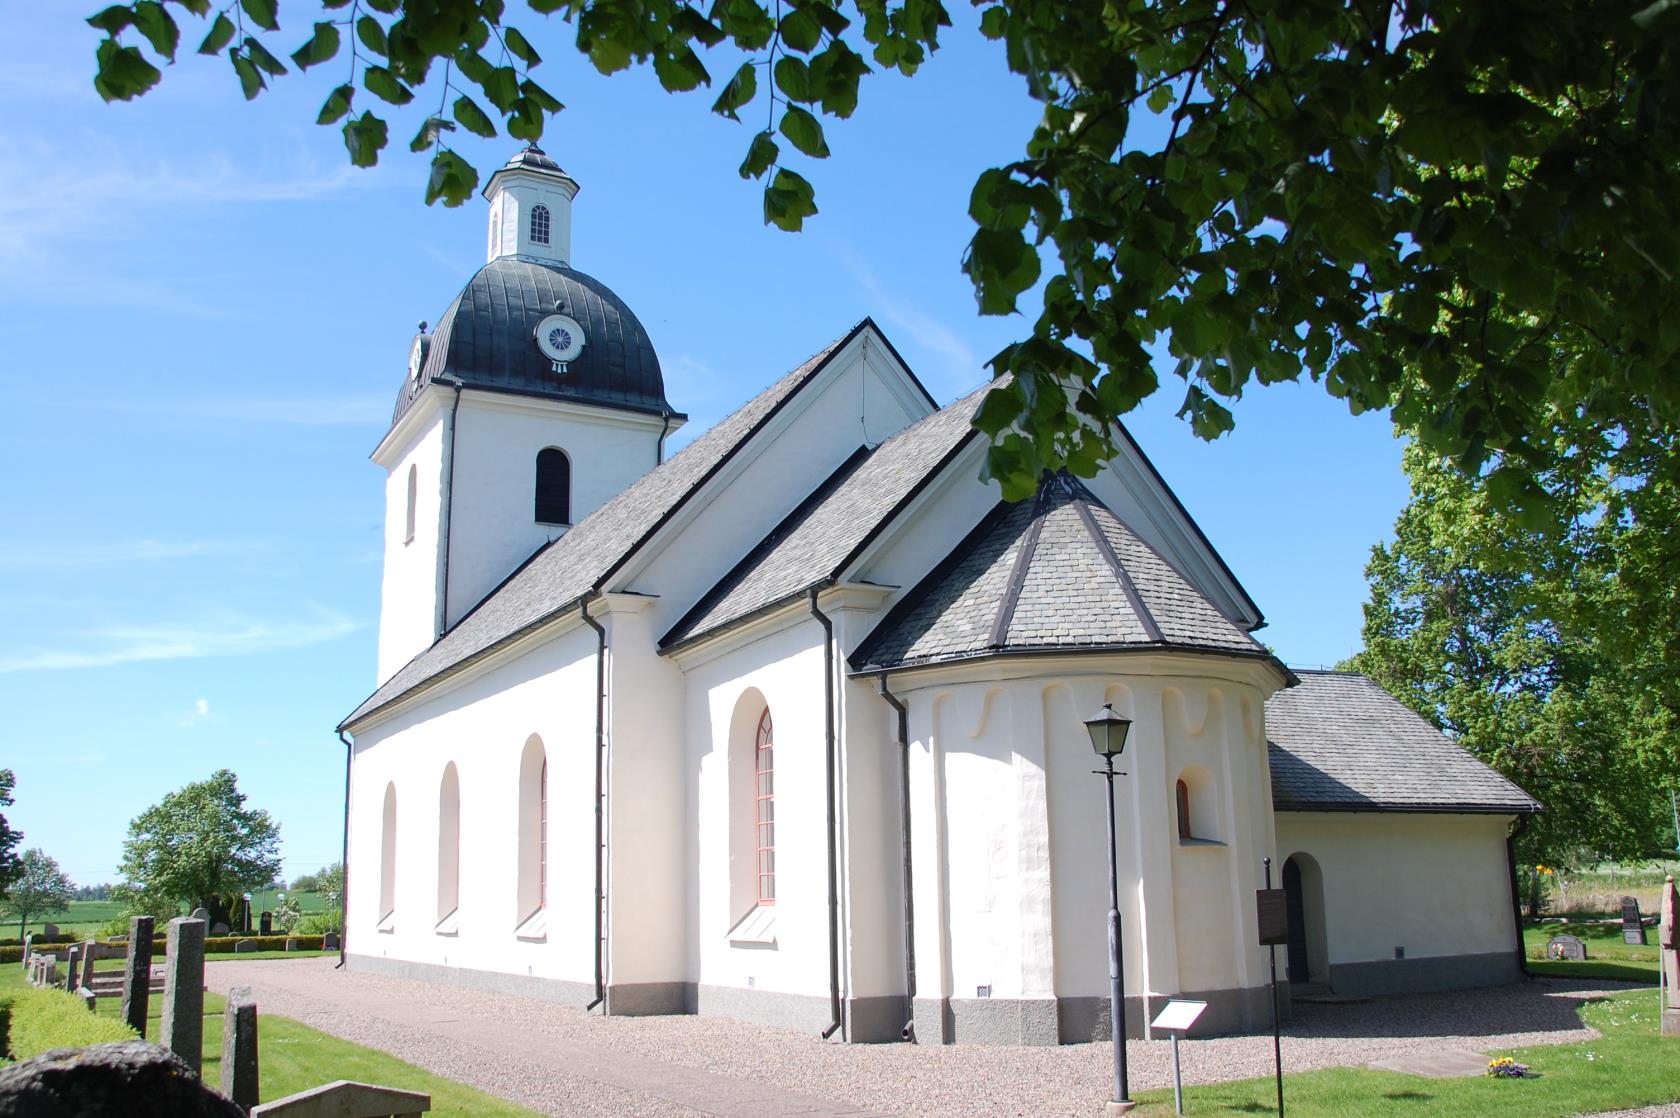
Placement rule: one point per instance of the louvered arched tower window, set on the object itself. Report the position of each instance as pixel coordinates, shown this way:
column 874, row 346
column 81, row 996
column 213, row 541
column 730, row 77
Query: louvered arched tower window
column 539, row 225
column 554, row 486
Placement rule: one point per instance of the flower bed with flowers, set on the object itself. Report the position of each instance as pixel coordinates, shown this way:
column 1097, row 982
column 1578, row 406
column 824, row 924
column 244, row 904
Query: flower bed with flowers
column 1504, row 1067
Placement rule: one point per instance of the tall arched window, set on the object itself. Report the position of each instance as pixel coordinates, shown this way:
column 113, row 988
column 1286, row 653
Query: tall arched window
column 765, row 814
column 388, row 860
column 532, row 896
column 449, row 848
column 1184, row 831
column 554, row 486
column 539, row 225
column 413, row 499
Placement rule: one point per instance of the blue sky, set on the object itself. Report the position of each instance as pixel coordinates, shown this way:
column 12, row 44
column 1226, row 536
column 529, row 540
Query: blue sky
column 205, row 314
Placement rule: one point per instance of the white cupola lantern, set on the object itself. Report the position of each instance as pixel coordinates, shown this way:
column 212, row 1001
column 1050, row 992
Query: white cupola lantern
column 531, row 209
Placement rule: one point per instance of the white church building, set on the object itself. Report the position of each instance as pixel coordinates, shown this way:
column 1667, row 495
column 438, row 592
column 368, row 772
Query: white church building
column 788, row 726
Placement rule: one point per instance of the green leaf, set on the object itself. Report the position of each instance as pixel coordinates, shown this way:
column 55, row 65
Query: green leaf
column 525, row 120
column 994, row 22
column 266, row 61
column 364, row 138
column 113, row 19
column 803, row 131
column 997, row 412
column 761, row 156
column 221, row 34
column 337, row 104
column 251, row 80
column 502, row 88
column 434, row 127
column 539, row 96
column 1159, row 98
column 472, row 117
column 793, row 78
column 158, row 26
column 384, row 85
column 742, row 88
column 262, row 13
column 474, row 65
column 321, row 46
column 123, row 72
column 520, row 47
column 680, row 70
column 788, row 201
column 372, row 34
column 453, row 179
column 801, row 29
column 1001, row 265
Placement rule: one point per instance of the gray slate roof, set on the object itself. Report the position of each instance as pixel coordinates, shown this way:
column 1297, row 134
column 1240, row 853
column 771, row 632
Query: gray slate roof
column 1054, row 574
column 563, row 572
column 486, row 340
column 1339, row 742
column 816, row 543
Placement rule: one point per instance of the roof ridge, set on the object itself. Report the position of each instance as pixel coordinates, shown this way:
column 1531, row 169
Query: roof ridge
column 1018, row 571
column 1082, row 502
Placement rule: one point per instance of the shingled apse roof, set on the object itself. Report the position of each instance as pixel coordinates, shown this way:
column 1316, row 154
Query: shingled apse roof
column 564, row 572
column 1056, row 573
column 1339, row 742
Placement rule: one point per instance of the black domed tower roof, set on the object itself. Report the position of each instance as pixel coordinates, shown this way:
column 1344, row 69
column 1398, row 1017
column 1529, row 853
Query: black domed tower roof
column 486, row 339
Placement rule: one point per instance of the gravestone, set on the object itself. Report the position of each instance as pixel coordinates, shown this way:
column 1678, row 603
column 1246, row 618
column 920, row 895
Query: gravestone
column 88, row 999
column 182, row 1028
column 137, row 973
column 28, row 943
column 201, row 913
column 329, row 942
column 90, row 951
column 72, row 968
column 130, row 1078
column 219, row 929
column 266, row 924
column 48, row 931
column 1669, row 940
column 291, row 944
column 239, row 1048
column 244, row 947
column 1571, row 948
column 1633, row 928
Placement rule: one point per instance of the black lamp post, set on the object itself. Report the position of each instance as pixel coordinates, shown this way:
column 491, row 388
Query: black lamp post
column 1108, row 737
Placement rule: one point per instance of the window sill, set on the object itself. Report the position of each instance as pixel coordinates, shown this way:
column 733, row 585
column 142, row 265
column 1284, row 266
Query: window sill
column 535, row 927
column 1190, row 842
column 450, row 925
column 387, row 923
column 756, row 929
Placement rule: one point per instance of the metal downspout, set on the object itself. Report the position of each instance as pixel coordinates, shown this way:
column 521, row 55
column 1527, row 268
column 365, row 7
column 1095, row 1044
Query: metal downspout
column 448, row 506
column 344, row 863
column 664, row 429
column 909, row 1031
column 836, row 1021
column 600, row 797
column 1516, row 893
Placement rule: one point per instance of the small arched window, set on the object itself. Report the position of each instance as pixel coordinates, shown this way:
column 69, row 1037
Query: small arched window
column 542, row 838
column 554, row 487
column 413, row 499
column 764, row 817
column 1184, row 831
column 532, row 885
column 539, row 225
column 388, row 860
column 449, row 848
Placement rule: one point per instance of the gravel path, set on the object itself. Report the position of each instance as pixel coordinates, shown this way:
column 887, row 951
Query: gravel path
column 560, row 1062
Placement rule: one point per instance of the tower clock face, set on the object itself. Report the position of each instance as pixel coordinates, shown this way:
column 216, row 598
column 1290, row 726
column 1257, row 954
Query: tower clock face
column 416, row 357
column 560, row 338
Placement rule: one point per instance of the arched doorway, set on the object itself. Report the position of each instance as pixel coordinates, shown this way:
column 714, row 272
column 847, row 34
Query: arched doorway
column 1303, row 890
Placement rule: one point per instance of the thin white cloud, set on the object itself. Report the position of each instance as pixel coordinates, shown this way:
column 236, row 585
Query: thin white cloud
column 135, row 644
column 48, row 556
column 199, row 712
column 924, row 329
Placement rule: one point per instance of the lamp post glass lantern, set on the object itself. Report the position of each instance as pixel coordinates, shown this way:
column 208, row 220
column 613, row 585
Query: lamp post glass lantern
column 1108, row 737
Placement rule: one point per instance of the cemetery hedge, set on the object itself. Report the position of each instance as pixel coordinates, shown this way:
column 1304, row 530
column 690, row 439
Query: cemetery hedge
column 213, row 945
column 37, row 1020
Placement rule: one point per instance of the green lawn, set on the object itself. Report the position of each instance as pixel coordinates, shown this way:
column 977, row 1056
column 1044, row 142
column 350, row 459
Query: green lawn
column 293, row 1057
column 1630, row 1066
column 1607, row 956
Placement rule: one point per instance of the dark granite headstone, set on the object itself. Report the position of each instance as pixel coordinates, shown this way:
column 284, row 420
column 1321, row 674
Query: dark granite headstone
column 130, row 1078
column 265, row 924
column 90, row 951
column 329, row 942
column 239, row 1048
column 73, row 967
column 244, row 947
column 137, row 973
column 49, row 930
column 182, row 1028
column 1572, row 948
column 1633, row 928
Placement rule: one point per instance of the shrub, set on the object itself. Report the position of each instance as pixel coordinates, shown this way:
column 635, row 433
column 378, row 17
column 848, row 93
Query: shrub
column 320, row 923
column 223, row 945
column 44, row 1019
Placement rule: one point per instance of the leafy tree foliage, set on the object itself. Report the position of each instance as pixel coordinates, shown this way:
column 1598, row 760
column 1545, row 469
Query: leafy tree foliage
column 330, row 884
column 42, row 889
column 1412, row 201
column 200, row 846
column 11, row 866
column 1529, row 642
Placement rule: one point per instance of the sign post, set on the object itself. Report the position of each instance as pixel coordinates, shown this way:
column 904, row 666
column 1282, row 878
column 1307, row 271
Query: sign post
column 1175, row 1020
column 1272, row 914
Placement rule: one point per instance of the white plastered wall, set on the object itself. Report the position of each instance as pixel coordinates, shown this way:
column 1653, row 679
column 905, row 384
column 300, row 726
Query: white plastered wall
column 408, row 593
column 482, row 725
column 1436, row 885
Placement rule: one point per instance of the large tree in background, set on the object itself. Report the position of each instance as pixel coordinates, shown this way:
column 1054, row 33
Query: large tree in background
column 41, row 890
column 199, row 846
column 1532, row 639
column 1414, row 201
column 11, row 866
